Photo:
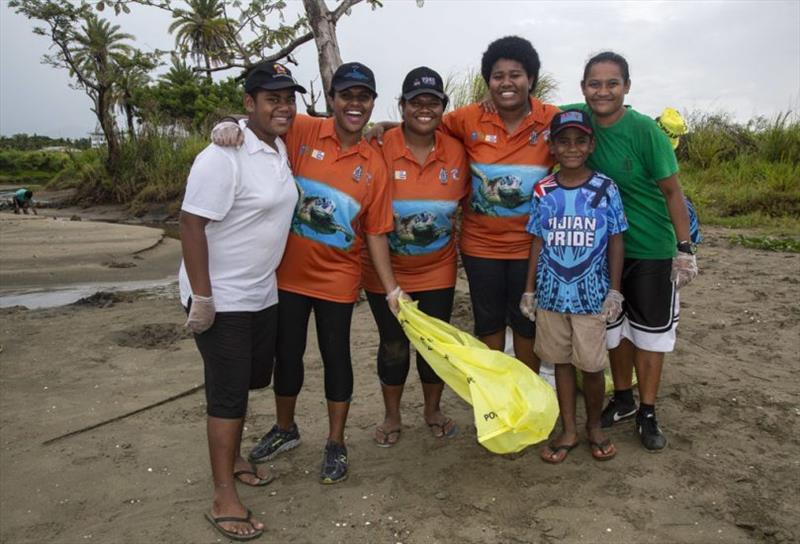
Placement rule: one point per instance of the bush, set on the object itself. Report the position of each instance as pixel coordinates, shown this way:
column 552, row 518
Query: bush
column 25, row 167
column 744, row 175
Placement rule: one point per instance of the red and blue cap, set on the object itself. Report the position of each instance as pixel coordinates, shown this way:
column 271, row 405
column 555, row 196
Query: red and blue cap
column 570, row 119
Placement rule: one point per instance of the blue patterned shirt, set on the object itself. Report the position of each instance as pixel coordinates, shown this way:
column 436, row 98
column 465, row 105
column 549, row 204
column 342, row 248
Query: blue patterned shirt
column 574, row 224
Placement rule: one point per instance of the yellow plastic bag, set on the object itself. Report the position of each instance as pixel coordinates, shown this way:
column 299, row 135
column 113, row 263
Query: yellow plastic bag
column 512, row 406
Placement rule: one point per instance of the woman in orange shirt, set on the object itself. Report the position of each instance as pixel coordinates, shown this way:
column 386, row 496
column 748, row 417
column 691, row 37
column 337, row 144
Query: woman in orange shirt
column 428, row 173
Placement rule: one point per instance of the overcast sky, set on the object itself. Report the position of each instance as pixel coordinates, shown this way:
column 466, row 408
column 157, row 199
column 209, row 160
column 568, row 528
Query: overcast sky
column 739, row 57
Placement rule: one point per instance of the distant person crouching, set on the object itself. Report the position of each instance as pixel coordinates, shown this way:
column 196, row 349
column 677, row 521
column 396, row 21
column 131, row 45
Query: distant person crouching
column 23, row 200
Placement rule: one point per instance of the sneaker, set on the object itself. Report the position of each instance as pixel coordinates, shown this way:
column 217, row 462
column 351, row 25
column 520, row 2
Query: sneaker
column 334, row 463
column 615, row 412
column 274, row 442
column 650, row 433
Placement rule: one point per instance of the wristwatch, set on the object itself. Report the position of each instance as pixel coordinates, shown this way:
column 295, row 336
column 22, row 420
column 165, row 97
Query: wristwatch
column 686, row 246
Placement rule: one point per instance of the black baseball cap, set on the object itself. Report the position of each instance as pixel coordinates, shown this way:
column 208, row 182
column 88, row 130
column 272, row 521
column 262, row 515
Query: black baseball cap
column 423, row 80
column 570, row 118
column 353, row 74
column 271, row 76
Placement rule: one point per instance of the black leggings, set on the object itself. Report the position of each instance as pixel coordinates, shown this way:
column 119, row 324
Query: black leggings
column 394, row 352
column 333, row 336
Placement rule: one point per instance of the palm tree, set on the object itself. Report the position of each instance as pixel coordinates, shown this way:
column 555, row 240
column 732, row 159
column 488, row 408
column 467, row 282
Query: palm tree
column 97, row 52
column 132, row 77
column 203, row 31
column 179, row 73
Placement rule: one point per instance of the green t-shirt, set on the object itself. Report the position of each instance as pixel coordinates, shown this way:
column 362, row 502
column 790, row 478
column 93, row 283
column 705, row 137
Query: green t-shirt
column 636, row 154
column 21, row 195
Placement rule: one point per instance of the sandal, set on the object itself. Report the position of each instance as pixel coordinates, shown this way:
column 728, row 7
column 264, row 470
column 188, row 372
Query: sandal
column 439, row 430
column 554, row 451
column 233, row 535
column 262, row 480
column 383, row 439
column 603, row 451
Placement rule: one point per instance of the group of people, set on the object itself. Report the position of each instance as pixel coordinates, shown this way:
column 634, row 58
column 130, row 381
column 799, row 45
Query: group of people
column 288, row 213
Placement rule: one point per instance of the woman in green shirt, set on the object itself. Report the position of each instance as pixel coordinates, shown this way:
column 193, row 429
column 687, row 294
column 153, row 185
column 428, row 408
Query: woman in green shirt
column 659, row 256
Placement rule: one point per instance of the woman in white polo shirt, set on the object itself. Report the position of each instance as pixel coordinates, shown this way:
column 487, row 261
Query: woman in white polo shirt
column 235, row 220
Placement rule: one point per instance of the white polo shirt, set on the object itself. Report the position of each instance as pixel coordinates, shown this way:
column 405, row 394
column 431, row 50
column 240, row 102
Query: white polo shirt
column 249, row 195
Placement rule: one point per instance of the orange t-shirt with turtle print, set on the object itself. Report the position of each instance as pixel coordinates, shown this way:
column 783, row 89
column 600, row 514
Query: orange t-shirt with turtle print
column 343, row 196
column 504, row 168
column 425, row 199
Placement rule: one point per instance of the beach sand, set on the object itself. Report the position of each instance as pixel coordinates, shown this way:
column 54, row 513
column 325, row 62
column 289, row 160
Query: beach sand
column 728, row 404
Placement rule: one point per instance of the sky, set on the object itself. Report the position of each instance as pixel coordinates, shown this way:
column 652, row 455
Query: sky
column 737, row 57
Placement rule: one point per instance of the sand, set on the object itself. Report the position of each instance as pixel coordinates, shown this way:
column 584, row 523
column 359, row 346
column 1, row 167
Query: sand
column 728, row 404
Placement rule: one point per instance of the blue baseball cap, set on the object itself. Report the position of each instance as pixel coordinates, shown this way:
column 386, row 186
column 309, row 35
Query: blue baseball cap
column 353, row 74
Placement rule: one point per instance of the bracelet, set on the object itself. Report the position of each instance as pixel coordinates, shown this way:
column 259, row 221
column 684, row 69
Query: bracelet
column 393, row 293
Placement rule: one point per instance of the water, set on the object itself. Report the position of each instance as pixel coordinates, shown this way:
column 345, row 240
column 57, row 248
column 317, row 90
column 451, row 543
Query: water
column 59, row 296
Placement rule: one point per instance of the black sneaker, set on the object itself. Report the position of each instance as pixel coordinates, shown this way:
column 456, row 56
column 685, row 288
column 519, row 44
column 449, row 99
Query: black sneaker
column 334, row 463
column 615, row 412
column 650, row 433
column 275, row 442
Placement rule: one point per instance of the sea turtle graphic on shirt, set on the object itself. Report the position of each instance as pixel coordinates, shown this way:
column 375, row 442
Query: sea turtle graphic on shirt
column 317, row 213
column 417, row 229
column 504, row 191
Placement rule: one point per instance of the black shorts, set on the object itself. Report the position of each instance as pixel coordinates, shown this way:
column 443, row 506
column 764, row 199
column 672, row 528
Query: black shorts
column 651, row 308
column 238, row 355
column 495, row 288
column 394, row 352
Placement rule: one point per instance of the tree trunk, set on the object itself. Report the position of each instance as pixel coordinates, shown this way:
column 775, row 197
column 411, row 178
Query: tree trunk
column 208, row 67
column 107, row 126
column 129, row 118
column 324, row 29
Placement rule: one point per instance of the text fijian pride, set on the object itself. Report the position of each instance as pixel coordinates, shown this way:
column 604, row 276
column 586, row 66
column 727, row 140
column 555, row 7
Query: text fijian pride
column 571, row 231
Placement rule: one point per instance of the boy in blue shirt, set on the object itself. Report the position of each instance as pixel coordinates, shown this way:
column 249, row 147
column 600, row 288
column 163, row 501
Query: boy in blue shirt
column 575, row 265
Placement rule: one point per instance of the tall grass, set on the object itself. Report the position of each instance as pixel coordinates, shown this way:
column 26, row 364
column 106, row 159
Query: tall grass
column 744, row 175
column 153, row 169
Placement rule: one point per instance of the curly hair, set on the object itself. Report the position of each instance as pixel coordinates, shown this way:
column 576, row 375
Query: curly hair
column 511, row 48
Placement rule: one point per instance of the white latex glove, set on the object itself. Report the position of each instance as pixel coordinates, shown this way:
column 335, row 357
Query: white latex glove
column 201, row 314
column 393, row 298
column 684, row 269
column 527, row 305
column 612, row 306
column 227, row 134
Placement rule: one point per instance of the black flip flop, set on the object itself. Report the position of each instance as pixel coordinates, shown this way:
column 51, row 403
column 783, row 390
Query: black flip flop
column 215, row 522
column 602, row 447
column 261, row 481
column 554, row 450
column 449, row 434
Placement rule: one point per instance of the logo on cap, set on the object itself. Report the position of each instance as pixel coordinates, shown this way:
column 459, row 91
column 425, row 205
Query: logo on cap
column 279, row 68
column 570, row 116
column 355, row 74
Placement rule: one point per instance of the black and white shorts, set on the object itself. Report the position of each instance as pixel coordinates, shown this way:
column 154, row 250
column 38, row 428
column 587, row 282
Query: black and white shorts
column 651, row 308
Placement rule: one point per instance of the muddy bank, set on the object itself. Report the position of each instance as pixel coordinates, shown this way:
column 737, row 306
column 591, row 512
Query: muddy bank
column 42, row 252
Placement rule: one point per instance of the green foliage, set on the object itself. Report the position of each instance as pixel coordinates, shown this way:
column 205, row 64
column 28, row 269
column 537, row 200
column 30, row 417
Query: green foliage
column 24, row 167
column 769, row 243
column 193, row 104
column 153, row 169
column 745, row 175
column 31, row 142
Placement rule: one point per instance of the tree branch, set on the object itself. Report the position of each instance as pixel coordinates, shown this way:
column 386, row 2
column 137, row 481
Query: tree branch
column 342, row 8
